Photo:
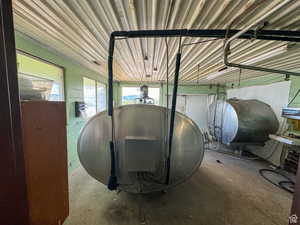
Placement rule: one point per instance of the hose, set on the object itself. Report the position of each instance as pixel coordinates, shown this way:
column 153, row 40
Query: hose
column 280, row 184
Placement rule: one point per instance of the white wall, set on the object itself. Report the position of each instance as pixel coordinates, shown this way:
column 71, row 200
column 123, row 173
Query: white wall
column 277, row 96
column 195, row 107
column 197, row 110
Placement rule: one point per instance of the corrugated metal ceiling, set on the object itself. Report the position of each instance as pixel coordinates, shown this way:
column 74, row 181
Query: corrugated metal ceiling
column 80, row 29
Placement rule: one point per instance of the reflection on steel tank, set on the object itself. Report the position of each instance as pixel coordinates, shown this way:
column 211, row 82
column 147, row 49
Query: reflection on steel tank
column 235, row 120
column 141, row 146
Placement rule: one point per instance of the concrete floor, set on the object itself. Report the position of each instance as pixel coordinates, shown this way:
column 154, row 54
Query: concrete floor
column 227, row 193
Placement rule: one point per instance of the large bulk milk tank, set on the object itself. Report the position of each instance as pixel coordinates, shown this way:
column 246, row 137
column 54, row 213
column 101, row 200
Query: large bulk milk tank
column 247, row 121
column 141, row 148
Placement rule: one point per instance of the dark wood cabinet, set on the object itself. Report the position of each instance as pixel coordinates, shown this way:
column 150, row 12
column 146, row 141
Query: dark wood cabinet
column 45, row 154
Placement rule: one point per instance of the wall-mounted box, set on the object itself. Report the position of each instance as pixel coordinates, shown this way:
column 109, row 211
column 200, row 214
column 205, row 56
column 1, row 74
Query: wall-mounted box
column 80, row 109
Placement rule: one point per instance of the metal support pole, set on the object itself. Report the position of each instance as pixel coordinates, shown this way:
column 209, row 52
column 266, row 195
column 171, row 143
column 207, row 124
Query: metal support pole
column 113, row 181
column 173, row 111
column 110, row 74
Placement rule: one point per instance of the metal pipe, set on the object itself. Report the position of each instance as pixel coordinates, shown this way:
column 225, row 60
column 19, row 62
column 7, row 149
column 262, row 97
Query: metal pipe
column 264, row 35
column 238, row 34
column 110, row 74
column 283, row 72
column 277, row 35
column 173, row 110
column 112, row 182
column 245, row 30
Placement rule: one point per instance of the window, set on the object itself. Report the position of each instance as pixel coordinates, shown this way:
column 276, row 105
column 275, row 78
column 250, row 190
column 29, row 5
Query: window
column 89, row 95
column 38, row 77
column 94, row 94
column 129, row 95
column 101, row 97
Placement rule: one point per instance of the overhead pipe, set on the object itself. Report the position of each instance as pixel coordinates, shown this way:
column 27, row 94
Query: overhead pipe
column 271, row 35
column 244, row 31
column 274, row 35
column 244, row 34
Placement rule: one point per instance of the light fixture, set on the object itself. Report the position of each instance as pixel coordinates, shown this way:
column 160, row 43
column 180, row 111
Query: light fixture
column 97, row 62
column 260, row 58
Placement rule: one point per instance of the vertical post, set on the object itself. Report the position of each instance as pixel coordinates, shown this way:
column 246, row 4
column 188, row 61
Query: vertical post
column 112, row 182
column 173, row 111
column 110, row 74
column 13, row 193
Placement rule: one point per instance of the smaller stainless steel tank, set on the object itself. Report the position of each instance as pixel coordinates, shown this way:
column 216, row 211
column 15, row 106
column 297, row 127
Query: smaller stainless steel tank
column 236, row 120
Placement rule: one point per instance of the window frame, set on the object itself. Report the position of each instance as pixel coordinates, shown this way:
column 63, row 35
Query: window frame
column 135, row 86
column 96, row 82
column 22, row 52
column 105, row 91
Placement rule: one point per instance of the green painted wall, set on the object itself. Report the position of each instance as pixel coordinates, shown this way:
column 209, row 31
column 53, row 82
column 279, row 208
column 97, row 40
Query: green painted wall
column 73, row 75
